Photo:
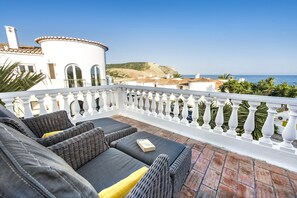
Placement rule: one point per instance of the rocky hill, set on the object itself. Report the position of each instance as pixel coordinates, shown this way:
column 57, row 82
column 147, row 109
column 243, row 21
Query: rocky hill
column 138, row 69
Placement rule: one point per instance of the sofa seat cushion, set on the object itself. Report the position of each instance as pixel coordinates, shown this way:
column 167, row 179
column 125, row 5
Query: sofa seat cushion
column 163, row 146
column 31, row 170
column 25, row 129
column 109, row 125
column 108, row 168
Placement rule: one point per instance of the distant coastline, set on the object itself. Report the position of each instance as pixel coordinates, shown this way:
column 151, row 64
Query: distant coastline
column 290, row 79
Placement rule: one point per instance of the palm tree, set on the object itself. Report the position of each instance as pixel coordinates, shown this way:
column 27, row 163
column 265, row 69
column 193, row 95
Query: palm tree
column 225, row 76
column 11, row 81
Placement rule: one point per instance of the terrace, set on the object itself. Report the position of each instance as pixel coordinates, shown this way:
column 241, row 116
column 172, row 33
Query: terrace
column 224, row 164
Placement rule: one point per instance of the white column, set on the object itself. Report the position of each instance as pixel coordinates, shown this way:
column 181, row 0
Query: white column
column 107, row 100
column 249, row 124
column 27, row 109
column 113, row 99
column 289, row 133
column 195, row 113
column 66, row 105
column 207, row 115
column 185, row 110
column 220, row 116
column 130, row 102
column 135, row 101
column 141, row 102
column 42, row 110
column 154, row 104
column 233, row 121
column 86, row 104
column 176, row 109
column 160, row 106
column 268, row 127
column 168, row 107
column 124, row 98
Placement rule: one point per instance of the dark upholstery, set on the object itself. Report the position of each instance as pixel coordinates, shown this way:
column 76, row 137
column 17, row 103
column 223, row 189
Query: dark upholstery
column 116, row 165
column 30, row 170
column 109, row 125
column 128, row 145
column 22, row 126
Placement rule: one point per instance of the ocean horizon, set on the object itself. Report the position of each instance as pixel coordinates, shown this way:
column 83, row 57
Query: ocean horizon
column 279, row 79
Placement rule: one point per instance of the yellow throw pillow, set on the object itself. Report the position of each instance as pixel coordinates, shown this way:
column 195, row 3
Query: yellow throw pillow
column 123, row 187
column 50, row 134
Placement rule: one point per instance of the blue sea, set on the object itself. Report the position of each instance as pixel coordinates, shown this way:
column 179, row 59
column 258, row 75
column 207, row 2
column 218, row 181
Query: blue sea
column 278, row 79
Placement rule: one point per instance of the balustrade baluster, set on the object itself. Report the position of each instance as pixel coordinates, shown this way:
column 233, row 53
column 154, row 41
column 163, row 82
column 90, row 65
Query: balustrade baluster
column 9, row 104
column 195, row 113
column 168, row 107
column 54, row 101
column 66, row 105
column 125, row 98
column 185, row 111
column 160, row 106
column 135, row 105
column 76, row 106
column 220, row 116
column 42, row 110
column 93, row 102
column 289, row 133
column 249, row 124
column 107, row 100
column 233, row 121
column 27, row 109
column 101, row 102
column 207, row 114
column 130, row 102
column 147, row 103
column 113, row 99
column 176, row 109
column 141, row 102
column 268, row 127
column 86, row 104
column 153, row 106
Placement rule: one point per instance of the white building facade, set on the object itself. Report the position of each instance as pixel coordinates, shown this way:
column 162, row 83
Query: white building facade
column 67, row 62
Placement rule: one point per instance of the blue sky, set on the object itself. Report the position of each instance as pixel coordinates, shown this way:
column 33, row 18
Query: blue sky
column 194, row 36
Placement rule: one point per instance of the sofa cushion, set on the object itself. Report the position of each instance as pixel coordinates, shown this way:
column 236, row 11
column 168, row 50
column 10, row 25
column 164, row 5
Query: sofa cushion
column 108, row 168
column 109, row 125
column 163, row 146
column 31, row 170
column 6, row 113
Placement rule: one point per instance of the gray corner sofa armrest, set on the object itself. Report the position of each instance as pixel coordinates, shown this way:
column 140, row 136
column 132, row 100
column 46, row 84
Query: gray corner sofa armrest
column 80, row 149
column 66, row 134
column 156, row 182
column 54, row 121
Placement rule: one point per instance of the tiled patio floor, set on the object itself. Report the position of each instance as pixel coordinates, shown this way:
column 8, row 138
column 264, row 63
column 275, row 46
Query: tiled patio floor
column 219, row 173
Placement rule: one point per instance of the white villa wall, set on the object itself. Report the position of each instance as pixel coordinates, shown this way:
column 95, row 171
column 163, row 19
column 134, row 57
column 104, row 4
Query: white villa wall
column 202, row 86
column 63, row 53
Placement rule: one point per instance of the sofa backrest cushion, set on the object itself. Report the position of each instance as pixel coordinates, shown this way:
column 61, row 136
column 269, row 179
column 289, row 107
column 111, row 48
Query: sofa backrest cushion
column 31, row 170
column 20, row 126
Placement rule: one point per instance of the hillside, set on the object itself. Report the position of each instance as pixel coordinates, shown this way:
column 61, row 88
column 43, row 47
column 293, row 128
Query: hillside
column 138, row 69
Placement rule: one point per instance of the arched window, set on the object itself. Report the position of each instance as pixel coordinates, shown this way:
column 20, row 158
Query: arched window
column 95, row 75
column 74, row 76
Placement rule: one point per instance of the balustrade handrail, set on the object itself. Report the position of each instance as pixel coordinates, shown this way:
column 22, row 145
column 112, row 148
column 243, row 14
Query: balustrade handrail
column 232, row 96
column 53, row 91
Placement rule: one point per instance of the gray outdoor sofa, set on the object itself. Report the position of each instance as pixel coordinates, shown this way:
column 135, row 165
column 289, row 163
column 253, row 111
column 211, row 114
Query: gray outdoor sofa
column 80, row 166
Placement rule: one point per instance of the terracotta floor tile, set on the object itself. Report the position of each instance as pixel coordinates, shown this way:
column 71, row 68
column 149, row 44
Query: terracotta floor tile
column 207, row 153
column 282, row 186
column 187, row 193
column 231, row 162
column 264, row 191
column 201, row 164
column 263, row 176
column 246, row 175
column 271, row 167
column 226, row 192
column 244, row 191
column 193, row 180
column 229, row 178
column 217, row 161
column 212, row 179
column 205, row 191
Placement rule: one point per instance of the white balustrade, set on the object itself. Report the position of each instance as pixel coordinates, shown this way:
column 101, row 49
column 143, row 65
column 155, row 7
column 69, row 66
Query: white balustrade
column 86, row 104
column 93, row 111
column 76, row 106
column 141, row 104
column 135, row 100
column 233, row 121
column 147, row 103
column 27, row 107
column 268, row 127
column 195, row 113
column 54, row 102
column 289, row 133
column 160, row 106
column 207, row 114
column 220, row 116
column 185, row 110
column 249, row 125
column 101, row 102
column 9, row 104
column 42, row 109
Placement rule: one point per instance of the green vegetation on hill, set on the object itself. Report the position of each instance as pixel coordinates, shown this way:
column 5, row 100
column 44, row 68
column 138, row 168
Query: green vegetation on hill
column 139, row 66
column 167, row 70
